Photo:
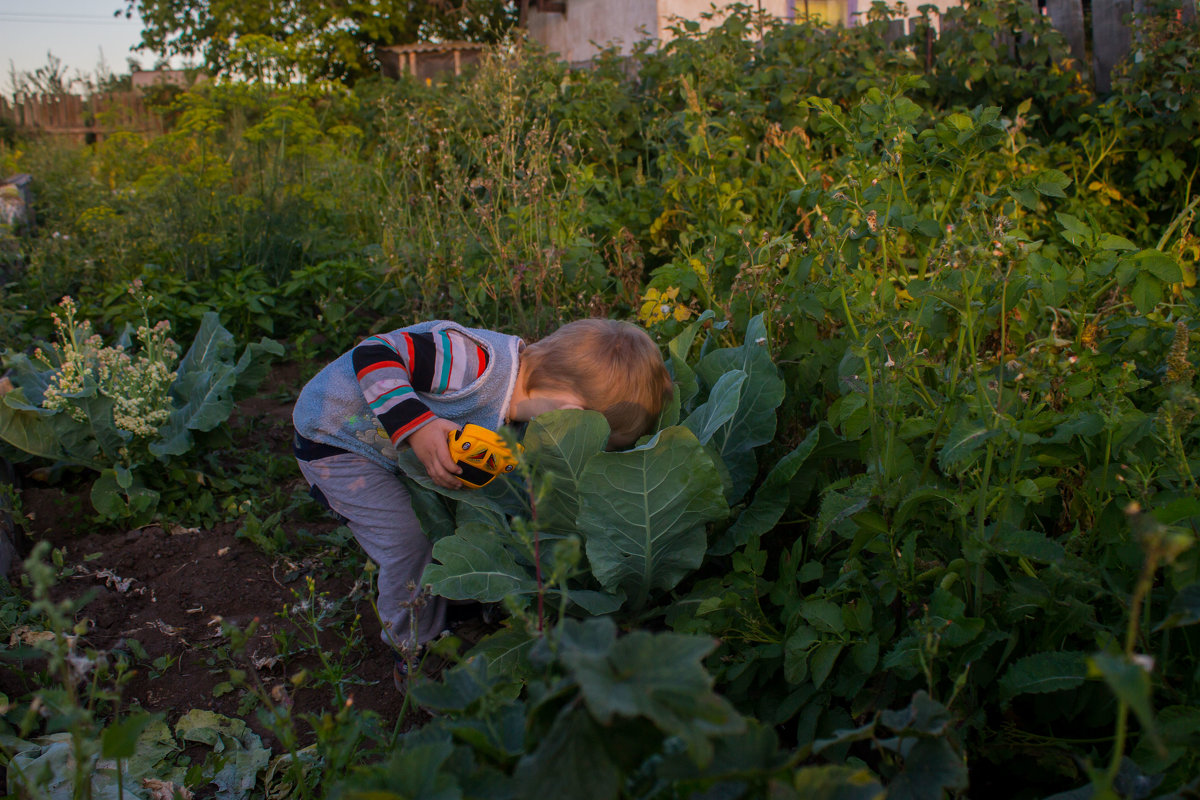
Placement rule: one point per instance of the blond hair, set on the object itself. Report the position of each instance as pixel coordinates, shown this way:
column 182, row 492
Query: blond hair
column 614, row 367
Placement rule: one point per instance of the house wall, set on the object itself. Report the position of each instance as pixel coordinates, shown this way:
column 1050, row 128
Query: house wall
column 693, row 9
column 576, row 35
column 601, row 22
column 854, row 12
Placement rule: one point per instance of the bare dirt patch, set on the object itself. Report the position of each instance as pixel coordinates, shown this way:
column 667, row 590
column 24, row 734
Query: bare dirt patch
column 174, row 589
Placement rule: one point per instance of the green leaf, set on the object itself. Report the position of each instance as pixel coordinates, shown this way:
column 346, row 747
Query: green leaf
column 506, row 651
column 208, row 381
column 1159, row 264
column 1110, row 241
column 211, row 346
column 845, row 736
column 722, row 403
column 822, row 661
column 643, row 512
column 240, row 768
column 1179, row 727
column 51, row 756
column 823, row 615
column 659, row 676
column 1146, row 293
column 203, row 388
column 498, row 734
column 27, row 430
column 796, row 650
column 207, row 401
column 960, row 121
column 1074, row 225
column 419, row 770
column 1052, row 182
column 120, row 739
column 154, row 745
column 931, row 767
column 210, row 728
column 113, row 501
column 772, row 497
column 865, row 655
column 1079, row 424
column 596, row 604
column 915, row 500
column 761, row 393
column 31, row 379
column 473, row 565
column 923, row 716
column 837, row 783
column 1025, row 195
column 254, row 366
column 838, row 510
column 436, row 520
column 1037, row 546
column 100, row 426
column 686, row 384
column 1043, row 672
column 558, row 445
column 1129, row 681
column 755, row 750
column 574, row 747
column 459, row 689
column 1184, row 609
column 964, row 438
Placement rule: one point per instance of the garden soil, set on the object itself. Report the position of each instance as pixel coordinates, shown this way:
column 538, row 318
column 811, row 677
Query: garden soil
column 172, row 589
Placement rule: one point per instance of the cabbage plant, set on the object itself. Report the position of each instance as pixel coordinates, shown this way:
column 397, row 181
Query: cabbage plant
column 82, row 403
column 599, row 531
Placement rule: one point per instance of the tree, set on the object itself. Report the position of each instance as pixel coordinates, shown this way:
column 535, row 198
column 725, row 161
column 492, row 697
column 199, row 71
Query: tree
column 331, row 39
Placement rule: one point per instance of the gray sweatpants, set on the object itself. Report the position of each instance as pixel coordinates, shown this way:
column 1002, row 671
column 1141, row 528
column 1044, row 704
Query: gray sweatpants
column 379, row 513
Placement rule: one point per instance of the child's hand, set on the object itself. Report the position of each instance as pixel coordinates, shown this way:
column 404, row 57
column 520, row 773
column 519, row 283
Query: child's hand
column 429, row 443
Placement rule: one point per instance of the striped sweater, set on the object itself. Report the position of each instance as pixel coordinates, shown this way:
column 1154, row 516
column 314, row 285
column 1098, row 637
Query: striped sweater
column 393, row 367
column 334, row 408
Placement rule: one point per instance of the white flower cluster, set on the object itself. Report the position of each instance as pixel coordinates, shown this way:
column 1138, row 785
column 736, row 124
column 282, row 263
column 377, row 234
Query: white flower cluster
column 138, row 384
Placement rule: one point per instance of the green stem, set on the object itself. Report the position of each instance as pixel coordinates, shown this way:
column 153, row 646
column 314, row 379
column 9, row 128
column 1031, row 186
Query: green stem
column 950, row 197
column 980, row 516
column 1162, row 241
column 1144, row 584
column 931, row 448
column 846, row 308
column 871, row 415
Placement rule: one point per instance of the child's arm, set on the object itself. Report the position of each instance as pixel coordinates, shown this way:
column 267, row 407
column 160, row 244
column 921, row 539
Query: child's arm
column 429, row 444
column 393, row 368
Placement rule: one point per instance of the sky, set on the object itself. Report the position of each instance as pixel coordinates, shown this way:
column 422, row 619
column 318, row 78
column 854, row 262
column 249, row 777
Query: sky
column 76, row 31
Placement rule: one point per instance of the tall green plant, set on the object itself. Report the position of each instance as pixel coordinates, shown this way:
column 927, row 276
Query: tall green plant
column 95, row 406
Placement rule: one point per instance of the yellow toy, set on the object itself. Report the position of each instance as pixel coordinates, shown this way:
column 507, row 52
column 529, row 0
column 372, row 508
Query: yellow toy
column 482, row 454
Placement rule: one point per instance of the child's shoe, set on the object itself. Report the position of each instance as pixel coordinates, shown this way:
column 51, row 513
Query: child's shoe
column 459, row 614
column 400, row 669
column 420, row 662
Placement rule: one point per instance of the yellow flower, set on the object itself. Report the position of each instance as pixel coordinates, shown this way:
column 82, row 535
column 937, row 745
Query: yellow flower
column 658, row 306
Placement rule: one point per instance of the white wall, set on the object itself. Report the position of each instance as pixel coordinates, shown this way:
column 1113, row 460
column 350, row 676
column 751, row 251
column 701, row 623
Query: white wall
column 629, row 21
column 693, row 9
column 854, row 12
column 600, row 21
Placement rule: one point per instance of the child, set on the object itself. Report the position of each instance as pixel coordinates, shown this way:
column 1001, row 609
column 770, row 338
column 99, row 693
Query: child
column 412, row 386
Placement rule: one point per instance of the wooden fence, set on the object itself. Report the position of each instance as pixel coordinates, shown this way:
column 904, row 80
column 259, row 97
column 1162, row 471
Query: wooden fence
column 1107, row 42
column 79, row 119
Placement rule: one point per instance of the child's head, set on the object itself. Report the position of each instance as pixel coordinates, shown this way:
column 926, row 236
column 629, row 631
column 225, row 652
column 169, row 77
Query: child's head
column 614, row 367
